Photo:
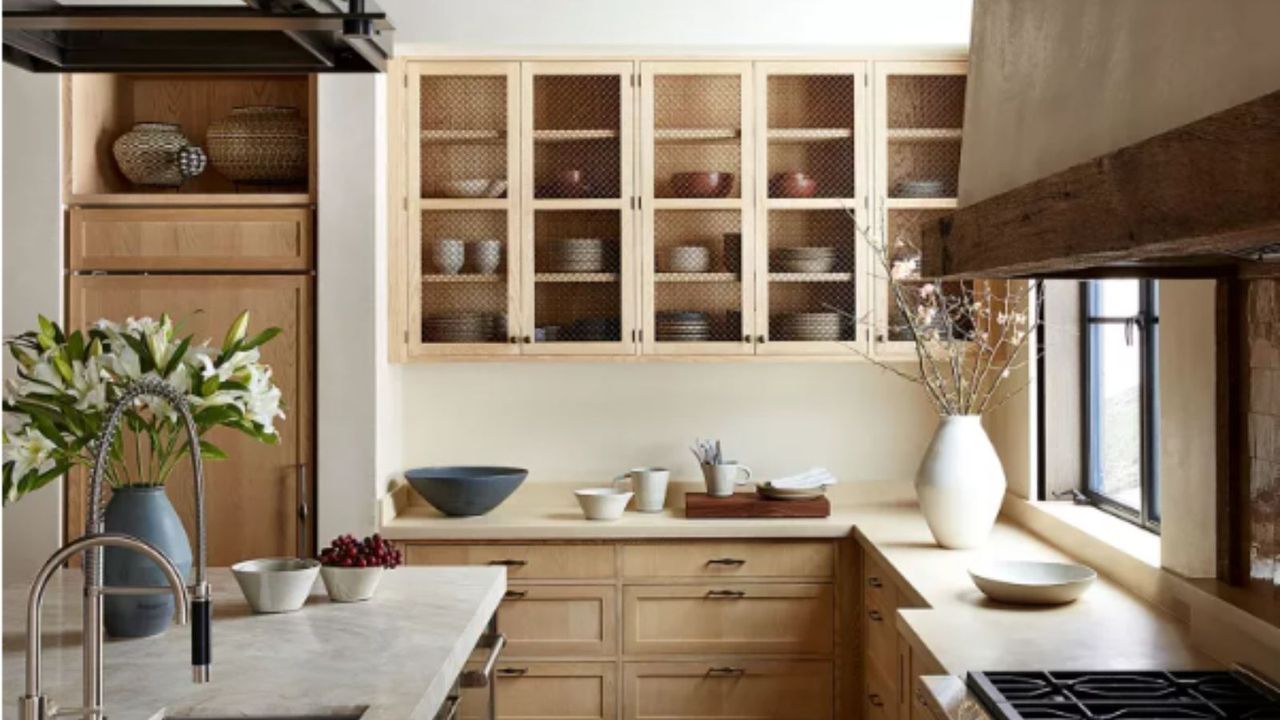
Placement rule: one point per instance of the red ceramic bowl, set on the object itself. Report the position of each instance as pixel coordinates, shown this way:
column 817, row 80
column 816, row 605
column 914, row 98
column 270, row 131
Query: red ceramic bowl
column 701, row 184
column 792, row 185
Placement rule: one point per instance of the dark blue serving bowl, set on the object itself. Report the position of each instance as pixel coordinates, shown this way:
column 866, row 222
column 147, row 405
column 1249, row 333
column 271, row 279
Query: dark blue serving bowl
column 465, row 490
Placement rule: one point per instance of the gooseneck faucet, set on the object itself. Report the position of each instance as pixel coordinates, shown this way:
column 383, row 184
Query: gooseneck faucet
column 33, row 705
column 199, row 595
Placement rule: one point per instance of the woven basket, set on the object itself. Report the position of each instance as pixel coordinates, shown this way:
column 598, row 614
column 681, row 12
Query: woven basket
column 260, row 145
column 157, row 154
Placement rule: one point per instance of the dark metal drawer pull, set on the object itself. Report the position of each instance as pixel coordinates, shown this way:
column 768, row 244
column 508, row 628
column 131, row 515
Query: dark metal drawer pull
column 875, row 615
column 874, row 582
column 727, row 671
column 514, row 594
column 875, row 700
column 509, row 563
column 512, row 671
column 735, row 562
column 726, row 594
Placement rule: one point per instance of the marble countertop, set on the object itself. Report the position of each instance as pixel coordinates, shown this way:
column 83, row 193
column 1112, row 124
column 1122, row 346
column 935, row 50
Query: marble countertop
column 1109, row 628
column 396, row 655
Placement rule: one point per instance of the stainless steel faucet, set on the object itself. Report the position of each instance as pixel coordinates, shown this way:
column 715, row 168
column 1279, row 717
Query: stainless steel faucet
column 33, row 705
column 201, row 603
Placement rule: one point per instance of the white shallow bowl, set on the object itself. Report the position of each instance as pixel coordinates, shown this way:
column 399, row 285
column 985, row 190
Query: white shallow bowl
column 1025, row 582
column 603, row 503
column 468, row 188
column 350, row 584
column 276, row 585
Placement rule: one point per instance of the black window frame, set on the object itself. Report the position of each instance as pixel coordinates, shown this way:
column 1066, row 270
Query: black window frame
column 1145, row 327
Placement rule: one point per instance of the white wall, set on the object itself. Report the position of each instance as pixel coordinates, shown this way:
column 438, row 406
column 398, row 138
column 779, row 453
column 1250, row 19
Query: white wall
column 32, row 260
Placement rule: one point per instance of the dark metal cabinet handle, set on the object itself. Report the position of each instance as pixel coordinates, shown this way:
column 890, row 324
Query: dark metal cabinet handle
column 509, row 563
column 761, row 339
column 514, row 339
column 874, row 582
column 726, row 594
column 304, row 510
column 514, row 595
column 512, row 671
column 732, row 562
column 746, row 338
column 875, row 615
column 528, row 339
column 875, row 700
column 726, row 671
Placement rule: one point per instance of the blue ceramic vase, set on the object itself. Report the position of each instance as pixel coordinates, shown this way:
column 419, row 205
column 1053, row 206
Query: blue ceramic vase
column 147, row 514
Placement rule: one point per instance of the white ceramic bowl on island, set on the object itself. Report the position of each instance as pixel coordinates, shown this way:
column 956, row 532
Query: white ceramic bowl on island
column 603, row 503
column 276, row 585
column 350, row 584
column 960, row 483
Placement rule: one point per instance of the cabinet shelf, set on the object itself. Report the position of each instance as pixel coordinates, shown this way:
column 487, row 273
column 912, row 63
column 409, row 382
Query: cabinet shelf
column 697, row 135
column 462, row 136
column 706, row 277
column 941, row 203
column 923, row 134
column 554, row 277
column 577, row 135
column 464, row 278
column 809, row 134
column 832, row 277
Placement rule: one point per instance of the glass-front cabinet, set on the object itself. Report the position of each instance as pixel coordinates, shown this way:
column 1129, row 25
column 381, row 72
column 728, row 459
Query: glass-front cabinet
column 666, row 208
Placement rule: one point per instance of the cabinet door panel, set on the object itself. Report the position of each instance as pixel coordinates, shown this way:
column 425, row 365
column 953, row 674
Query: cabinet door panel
column 202, row 239
column 546, row 621
column 738, row 689
column 728, row 618
column 533, row 691
column 251, row 500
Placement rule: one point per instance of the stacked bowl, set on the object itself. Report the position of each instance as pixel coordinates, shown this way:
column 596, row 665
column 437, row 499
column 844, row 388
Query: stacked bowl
column 807, row 326
column 805, row 259
column 460, row 327
column 683, row 326
column 688, row 259
column 578, row 255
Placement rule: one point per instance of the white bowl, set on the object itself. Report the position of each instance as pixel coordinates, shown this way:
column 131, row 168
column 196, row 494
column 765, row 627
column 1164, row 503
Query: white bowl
column 1025, row 582
column 689, row 259
column 276, row 585
column 603, row 503
column 350, row 584
column 468, row 188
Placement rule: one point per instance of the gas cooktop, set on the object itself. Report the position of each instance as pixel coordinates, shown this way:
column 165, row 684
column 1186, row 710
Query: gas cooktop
column 1121, row 695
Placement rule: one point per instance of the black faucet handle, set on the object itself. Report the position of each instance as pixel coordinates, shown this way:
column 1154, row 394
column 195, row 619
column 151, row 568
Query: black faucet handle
column 201, row 637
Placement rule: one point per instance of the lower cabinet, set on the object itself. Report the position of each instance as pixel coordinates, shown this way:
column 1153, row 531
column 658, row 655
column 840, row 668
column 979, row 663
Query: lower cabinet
column 581, row 691
column 739, row 689
column 548, row 621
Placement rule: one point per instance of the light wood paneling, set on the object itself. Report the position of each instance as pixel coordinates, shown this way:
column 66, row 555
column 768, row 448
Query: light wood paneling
column 879, row 702
column 728, row 619
column 190, row 239
column 251, row 503
column 728, row 560
column 524, row 562
column 546, row 621
column 533, row 691
column 742, row 690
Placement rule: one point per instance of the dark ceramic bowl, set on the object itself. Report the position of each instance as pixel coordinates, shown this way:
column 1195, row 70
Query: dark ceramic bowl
column 702, row 184
column 465, row 490
column 792, row 185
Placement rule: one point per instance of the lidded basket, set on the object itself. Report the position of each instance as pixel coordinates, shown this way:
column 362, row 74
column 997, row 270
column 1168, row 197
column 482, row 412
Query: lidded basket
column 260, row 145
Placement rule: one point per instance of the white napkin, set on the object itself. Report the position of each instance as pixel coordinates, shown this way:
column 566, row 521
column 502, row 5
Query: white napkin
column 811, row 478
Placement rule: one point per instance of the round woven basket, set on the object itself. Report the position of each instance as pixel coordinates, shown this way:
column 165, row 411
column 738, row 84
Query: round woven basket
column 260, row 145
column 149, row 154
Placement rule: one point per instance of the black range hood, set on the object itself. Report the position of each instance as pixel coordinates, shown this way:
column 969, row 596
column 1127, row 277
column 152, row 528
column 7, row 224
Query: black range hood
column 275, row 36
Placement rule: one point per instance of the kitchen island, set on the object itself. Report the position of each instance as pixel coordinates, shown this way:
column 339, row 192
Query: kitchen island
column 395, row 656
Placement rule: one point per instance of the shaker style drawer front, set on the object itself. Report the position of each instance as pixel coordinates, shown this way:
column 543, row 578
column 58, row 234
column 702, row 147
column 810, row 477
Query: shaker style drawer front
column 742, row 690
column 523, row 562
column 877, row 587
column 544, row 621
column 728, row 618
column 729, row 560
column 880, row 699
column 574, row 691
column 880, row 630
column 190, row 239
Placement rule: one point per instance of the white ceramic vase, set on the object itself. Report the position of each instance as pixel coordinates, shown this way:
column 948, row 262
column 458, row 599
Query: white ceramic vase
column 960, row 483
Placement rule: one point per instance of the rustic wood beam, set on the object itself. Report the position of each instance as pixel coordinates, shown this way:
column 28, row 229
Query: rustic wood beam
column 1209, row 189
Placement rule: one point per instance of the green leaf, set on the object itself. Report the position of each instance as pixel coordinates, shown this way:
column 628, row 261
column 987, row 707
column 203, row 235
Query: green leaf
column 48, row 332
column 209, row 386
column 209, row 451
column 236, row 332
column 216, row 415
column 176, row 359
column 261, row 338
column 145, row 361
column 63, row 367
column 75, row 345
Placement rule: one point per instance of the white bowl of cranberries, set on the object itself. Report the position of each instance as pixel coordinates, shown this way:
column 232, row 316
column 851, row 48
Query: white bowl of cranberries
column 351, row 568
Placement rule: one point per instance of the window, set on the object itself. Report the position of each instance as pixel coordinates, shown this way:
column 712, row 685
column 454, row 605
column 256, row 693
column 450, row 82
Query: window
column 1121, row 406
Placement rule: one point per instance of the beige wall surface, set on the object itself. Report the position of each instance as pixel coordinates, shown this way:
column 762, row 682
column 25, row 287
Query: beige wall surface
column 1056, row 82
column 586, row 422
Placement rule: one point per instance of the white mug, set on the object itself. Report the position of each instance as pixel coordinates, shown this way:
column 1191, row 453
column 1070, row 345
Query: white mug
column 649, row 485
column 721, row 479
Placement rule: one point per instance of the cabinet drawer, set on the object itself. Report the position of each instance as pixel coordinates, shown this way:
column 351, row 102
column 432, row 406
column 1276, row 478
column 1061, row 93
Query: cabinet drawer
column 523, row 562
column 551, row 620
column 190, row 239
column 738, row 689
column 879, row 629
column 728, row 618
column 878, row 590
column 880, row 701
column 586, row 691
column 729, row 560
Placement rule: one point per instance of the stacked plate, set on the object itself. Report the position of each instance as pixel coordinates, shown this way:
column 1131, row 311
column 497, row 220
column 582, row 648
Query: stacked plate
column 804, row 259
column 578, row 255
column 592, row 329
column 462, row 327
column 806, row 326
column 683, row 326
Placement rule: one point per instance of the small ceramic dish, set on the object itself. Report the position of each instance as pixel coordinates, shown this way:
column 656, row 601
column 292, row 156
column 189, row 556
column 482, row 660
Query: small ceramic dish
column 767, row 490
column 276, row 585
column 603, row 503
column 467, row 188
column 1026, row 582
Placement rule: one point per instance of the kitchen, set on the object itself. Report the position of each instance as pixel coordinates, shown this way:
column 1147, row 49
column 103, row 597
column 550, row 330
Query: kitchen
column 606, row 619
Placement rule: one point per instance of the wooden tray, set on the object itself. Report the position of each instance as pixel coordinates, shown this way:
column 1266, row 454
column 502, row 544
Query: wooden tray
column 751, row 505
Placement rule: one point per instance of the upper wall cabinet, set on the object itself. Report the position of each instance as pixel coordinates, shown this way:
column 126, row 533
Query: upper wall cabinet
column 664, row 209
column 125, row 131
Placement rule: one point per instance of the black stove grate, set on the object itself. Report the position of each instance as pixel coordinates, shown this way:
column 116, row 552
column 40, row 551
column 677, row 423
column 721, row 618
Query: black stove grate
column 1155, row 694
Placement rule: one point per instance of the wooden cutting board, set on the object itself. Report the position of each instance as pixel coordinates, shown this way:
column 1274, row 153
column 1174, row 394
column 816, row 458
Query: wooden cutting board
column 751, row 505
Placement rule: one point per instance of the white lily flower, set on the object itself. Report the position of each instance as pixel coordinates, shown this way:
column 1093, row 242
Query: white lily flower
column 29, row 450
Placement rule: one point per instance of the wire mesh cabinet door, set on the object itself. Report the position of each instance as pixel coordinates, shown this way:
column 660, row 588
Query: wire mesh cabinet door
column 578, row 241
column 919, row 114
column 697, row 248
column 463, row 202
column 812, row 208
